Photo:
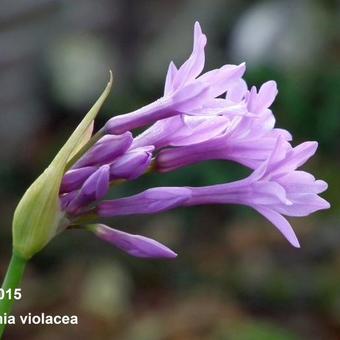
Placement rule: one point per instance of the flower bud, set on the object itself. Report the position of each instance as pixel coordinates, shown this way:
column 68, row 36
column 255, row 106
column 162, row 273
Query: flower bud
column 135, row 245
column 74, row 178
column 106, row 150
column 94, row 188
column 132, row 164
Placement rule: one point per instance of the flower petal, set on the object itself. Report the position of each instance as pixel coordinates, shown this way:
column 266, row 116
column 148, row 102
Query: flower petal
column 302, row 182
column 170, row 76
column 220, row 80
column 237, row 91
column 280, row 223
column 195, row 63
column 265, row 97
column 299, row 155
column 304, row 204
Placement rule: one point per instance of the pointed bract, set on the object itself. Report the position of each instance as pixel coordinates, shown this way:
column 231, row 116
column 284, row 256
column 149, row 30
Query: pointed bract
column 37, row 216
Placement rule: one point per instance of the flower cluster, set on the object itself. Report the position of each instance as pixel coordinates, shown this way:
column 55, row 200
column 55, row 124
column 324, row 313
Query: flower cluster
column 200, row 117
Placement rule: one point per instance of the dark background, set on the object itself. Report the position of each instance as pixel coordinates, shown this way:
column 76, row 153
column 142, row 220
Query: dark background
column 235, row 277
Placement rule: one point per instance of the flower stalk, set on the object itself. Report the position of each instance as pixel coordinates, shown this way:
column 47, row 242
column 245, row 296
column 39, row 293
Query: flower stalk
column 12, row 281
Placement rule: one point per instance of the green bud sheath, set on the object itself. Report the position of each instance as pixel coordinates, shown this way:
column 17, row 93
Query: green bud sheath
column 38, row 214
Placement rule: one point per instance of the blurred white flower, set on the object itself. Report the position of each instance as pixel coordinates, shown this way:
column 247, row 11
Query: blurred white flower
column 280, row 33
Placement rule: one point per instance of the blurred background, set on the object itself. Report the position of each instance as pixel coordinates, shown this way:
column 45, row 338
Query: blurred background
column 235, row 277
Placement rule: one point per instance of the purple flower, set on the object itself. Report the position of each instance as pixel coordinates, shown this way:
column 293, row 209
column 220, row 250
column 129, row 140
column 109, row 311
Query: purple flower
column 185, row 130
column 276, row 188
column 246, row 139
column 185, row 91
column 200, row 117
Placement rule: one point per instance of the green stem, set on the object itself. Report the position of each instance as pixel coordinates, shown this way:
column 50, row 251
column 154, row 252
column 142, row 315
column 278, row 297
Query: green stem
column 12, row 280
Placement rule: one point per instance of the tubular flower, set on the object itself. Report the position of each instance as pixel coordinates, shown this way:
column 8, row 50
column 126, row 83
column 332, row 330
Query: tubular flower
column 185, row 91
column 247, row 139
column 199, row 117
column 274, row 189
